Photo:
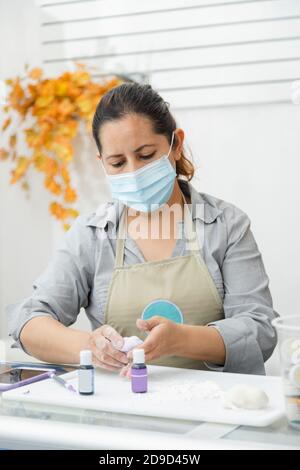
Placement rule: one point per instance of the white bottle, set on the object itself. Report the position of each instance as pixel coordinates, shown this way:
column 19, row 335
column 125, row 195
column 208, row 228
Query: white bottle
column 86, row 373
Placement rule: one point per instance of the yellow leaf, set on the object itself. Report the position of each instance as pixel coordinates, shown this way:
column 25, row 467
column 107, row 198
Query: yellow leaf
column 72, row 213
column 62, row 88
column 62, row 148
column 32, row 138
column 44, row 101
column 21, row 168
column 81, row 77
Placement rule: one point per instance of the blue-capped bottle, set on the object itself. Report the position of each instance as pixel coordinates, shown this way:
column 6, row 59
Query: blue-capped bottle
column 86, row 373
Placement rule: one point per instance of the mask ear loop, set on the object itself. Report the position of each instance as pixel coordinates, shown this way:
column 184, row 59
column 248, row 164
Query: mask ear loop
column 173, row 133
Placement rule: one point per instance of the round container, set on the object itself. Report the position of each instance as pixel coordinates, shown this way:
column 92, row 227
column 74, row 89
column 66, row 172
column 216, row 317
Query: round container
column 288, row 329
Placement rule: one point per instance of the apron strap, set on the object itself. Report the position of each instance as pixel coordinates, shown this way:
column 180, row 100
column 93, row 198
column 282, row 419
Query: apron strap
column 120, row 242
column 189, row 231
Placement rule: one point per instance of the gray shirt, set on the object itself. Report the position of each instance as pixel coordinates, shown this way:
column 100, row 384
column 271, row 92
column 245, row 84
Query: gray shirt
column 79, row 275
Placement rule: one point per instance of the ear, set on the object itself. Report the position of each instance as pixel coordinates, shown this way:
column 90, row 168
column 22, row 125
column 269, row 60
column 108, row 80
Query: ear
column 99, row 156
column 179, row 139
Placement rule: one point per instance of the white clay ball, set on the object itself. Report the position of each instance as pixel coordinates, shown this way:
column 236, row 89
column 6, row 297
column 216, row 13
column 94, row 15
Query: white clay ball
column 130, row 342
column 245, row 396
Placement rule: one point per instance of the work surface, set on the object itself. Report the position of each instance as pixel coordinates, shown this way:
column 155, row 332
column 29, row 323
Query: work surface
column 172, row 393
column 27, row 425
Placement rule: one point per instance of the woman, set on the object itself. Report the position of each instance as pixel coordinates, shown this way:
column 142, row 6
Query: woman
column 213, row 272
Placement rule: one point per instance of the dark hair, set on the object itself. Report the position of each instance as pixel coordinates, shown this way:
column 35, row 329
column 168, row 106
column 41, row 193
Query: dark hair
column 136, row 98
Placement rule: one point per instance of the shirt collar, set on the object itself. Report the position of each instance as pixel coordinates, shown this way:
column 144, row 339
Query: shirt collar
column 201, row 208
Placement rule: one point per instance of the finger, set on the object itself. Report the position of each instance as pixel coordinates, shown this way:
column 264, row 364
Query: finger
column 110, row 333
column 142, row 324
column 147, row 325
column 148, row 346
column 103, row 356
column 115, row 354
column 108, row 360
column 152, row 355
column 125, row 370
column 102, row 365
column 103, row 344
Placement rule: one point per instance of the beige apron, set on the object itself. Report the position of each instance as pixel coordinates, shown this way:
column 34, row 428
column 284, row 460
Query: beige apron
column 184, row 280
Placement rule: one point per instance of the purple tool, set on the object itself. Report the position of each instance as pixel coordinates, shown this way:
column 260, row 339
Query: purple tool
column 62, row 382
column 20, row 383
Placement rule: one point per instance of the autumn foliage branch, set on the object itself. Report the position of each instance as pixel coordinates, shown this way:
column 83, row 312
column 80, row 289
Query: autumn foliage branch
column 49, row 111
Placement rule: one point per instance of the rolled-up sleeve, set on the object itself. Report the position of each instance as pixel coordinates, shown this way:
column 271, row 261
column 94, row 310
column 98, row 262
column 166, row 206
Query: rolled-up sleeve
column 63, row 288
column 247, row 332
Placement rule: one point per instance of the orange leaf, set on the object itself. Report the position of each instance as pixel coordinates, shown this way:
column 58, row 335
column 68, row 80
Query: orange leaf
column 3, row 154
column 70, row 195
column 6, row 124
column 52, row 186
column 58, row 211
column 35, row 73
column 12, row 141
column 55, row 107
column 65, row 175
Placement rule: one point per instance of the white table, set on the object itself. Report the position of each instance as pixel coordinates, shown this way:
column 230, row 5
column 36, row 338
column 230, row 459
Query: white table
column 21, row 428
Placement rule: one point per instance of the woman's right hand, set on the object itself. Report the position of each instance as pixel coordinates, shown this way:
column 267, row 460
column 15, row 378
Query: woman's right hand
column 105, row 344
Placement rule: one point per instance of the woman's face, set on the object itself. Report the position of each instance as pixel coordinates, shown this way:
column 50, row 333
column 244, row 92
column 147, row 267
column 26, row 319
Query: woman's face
column 130, row 143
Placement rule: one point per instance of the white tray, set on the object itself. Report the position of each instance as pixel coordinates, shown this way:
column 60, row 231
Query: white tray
column 113, row 394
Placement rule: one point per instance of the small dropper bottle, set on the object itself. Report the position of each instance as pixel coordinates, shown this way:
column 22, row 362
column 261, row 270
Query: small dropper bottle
column 86, row 373
column 139, row 373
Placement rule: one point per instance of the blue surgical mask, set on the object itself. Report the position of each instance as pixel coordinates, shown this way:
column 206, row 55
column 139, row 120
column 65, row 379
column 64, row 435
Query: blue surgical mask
column 148, row 188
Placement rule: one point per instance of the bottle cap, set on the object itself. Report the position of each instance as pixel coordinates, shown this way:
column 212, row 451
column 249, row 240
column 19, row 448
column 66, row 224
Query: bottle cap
column 138, row 356
column 86, row 357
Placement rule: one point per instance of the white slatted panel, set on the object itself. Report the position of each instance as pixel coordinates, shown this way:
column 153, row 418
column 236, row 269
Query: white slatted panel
column 194, row 52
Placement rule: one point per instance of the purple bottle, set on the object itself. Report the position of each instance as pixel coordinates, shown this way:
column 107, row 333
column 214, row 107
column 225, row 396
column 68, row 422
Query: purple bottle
column 139, row 373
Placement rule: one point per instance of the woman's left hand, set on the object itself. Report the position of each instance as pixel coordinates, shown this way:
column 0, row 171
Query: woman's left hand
column 164, row 338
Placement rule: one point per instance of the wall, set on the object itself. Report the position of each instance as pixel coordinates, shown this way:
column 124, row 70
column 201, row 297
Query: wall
column 25, row 227
column 194, row 52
